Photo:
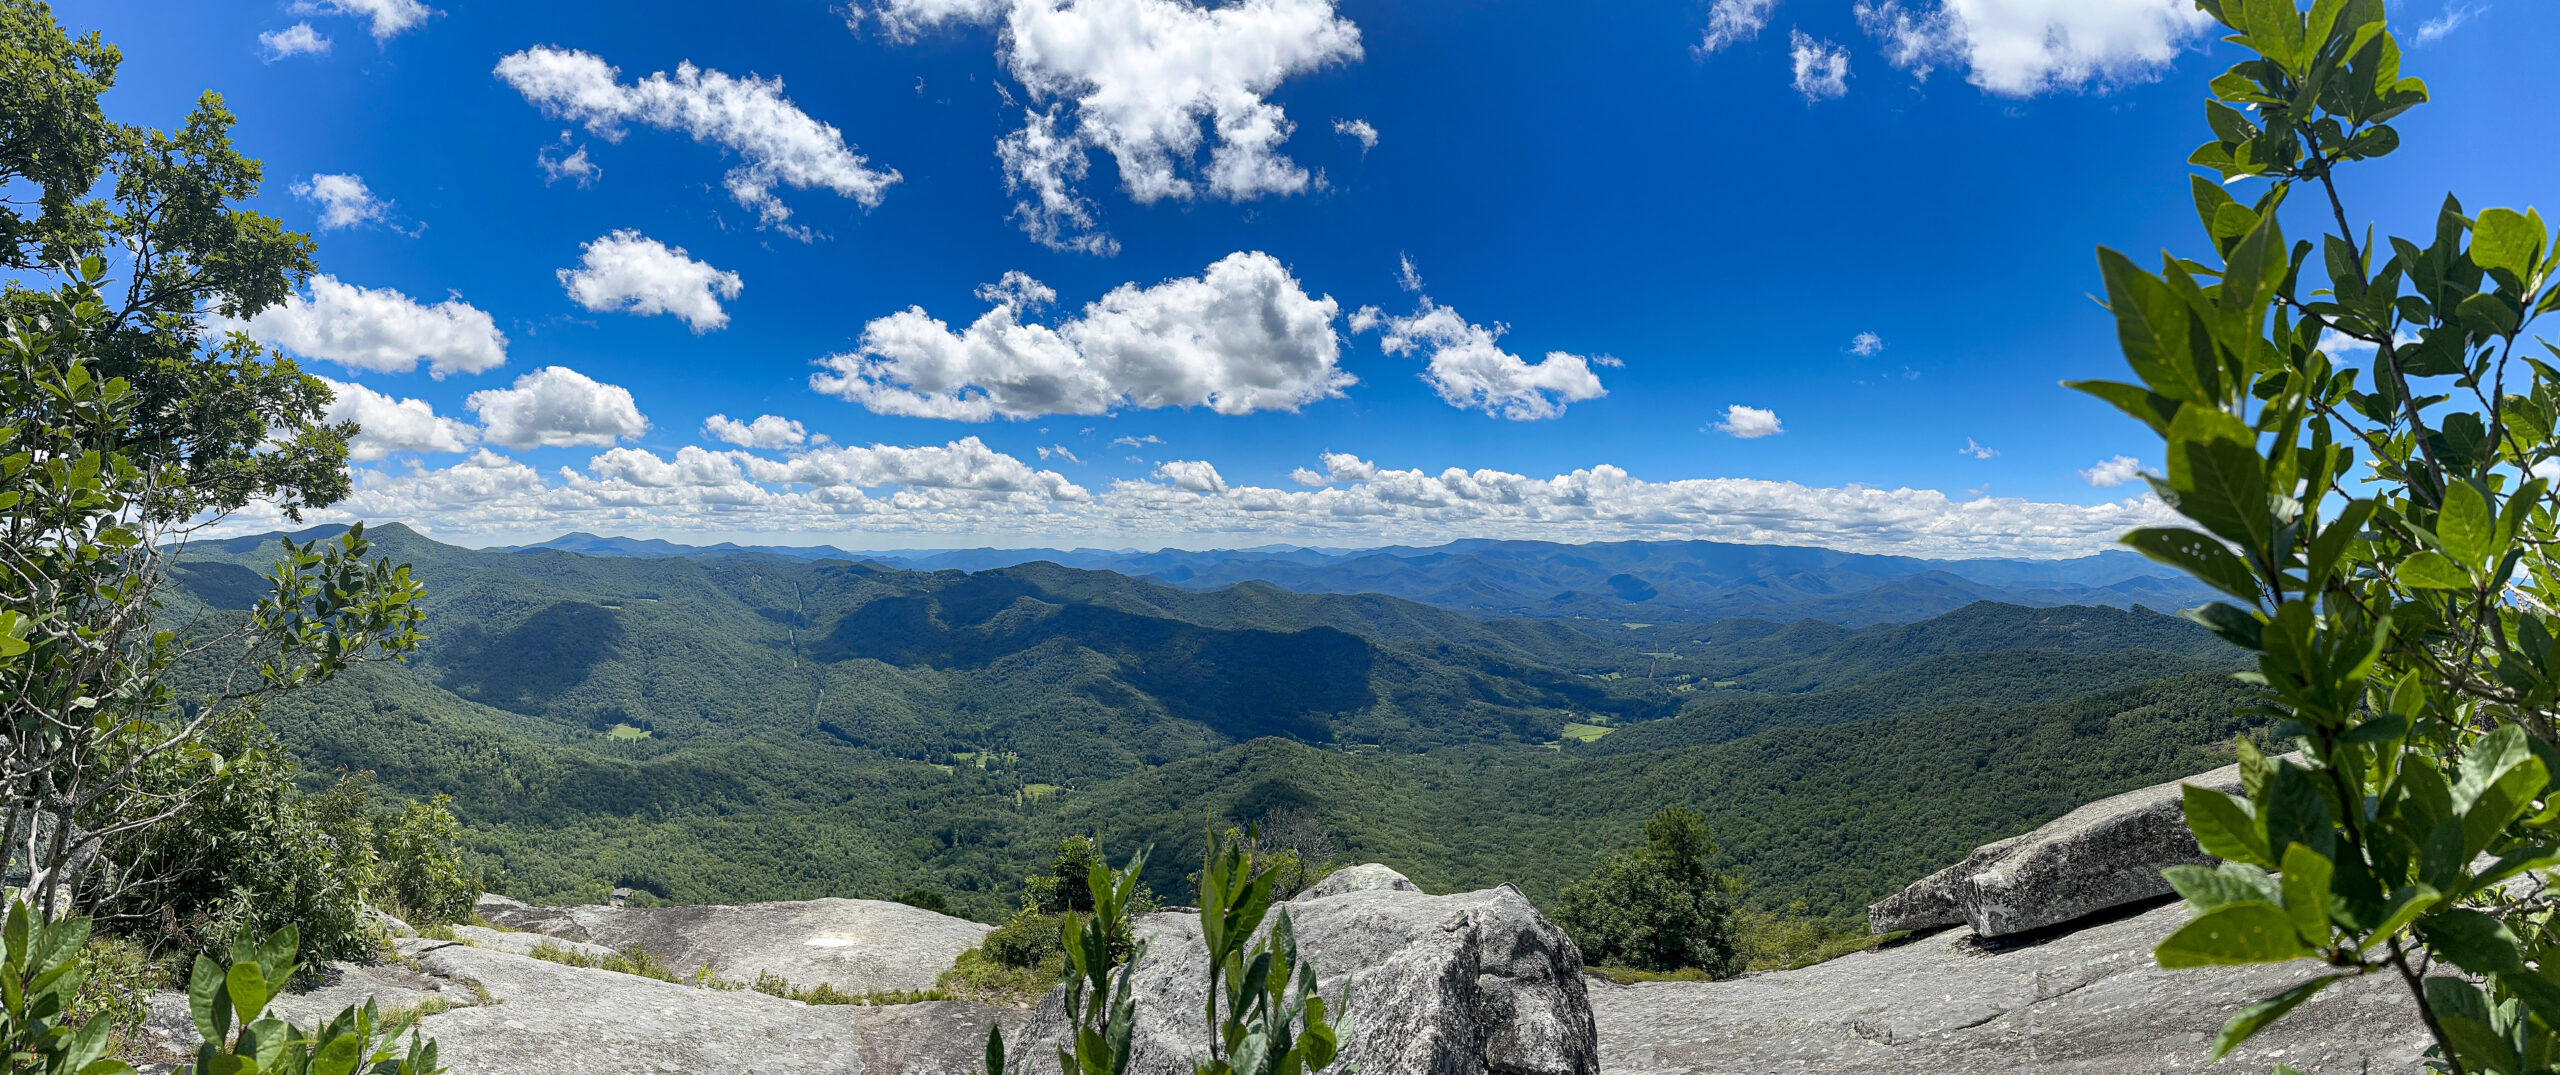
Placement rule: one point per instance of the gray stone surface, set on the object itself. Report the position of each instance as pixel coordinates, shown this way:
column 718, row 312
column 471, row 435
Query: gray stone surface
column 1361, row 878
column 2089, row 1002
column 855, row 945
column 543, row 1018
column 2106, row 854
column 1467, row 984
column 497, row 940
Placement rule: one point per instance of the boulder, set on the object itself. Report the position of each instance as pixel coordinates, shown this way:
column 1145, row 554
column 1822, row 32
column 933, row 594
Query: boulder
column 1470, row 984
column 2103, row 855
column 1365, row 877
column 2091, row 1002
column 858, row 946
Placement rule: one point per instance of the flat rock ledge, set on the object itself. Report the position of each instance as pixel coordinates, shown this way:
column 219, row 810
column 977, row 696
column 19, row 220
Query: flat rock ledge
column 2104, row 855
column 1476, row 983
column 2090, row 1002
column 515, row 1015
column 857, row 946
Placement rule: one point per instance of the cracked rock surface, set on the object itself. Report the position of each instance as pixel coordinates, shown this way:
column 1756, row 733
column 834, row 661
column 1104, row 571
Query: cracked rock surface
column 855, row 945
column 2089, row 1002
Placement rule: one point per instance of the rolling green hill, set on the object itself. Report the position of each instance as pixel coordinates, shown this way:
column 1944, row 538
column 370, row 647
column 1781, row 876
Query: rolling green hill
column 754, row 727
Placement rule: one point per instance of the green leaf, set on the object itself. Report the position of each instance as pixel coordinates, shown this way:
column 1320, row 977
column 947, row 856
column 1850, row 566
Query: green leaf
column 248, row 991
column 209, row 1000
column 2197, row 555
column 2224, row 827
column 2219, row 483
column 2306, row 892
column 2466, row 526
column 2431, row 570
column 2232, row 935
column 2255, row 1017
column 2508, row 241
column 2473, row 941
column 2208, row 887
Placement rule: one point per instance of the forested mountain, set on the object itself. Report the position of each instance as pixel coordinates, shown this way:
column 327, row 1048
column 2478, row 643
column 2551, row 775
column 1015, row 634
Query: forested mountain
column 1621, row 580
column 750, row 726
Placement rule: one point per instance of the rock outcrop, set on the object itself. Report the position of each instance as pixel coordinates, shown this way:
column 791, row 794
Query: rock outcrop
column 1468, row 984
column 857, row 946
column 2104, row 855
column 514, row 1015
column 1365, row 877
column 2090, row 1002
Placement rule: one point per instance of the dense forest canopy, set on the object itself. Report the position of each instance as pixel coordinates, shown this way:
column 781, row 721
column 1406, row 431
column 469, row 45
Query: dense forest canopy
column 753, row 726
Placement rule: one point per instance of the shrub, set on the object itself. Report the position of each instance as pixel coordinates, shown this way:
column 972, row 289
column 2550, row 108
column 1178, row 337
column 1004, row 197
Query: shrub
column 253, row 852
column 924, row 898
column 1659, row 908
column 2366, row 459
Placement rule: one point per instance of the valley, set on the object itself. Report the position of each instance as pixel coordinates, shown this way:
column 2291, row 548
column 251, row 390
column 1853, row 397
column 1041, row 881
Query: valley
column 740, row 725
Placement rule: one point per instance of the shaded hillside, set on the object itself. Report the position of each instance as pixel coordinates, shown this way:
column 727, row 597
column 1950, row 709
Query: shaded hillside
column 1837, row 815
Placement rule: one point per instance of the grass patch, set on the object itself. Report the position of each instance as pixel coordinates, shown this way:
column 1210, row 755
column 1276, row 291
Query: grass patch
column 775, row 985
column 625, row 731
column 1632, row 975
column 1584, row 733
column 635, row 960
column 1032, row 793
column 981, row 977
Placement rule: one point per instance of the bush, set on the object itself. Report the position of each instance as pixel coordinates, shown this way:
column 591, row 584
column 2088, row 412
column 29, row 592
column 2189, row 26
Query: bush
column 116, row 982
column 253, row 852
column 924, row 898
column 423, row 876
column 1660, row 908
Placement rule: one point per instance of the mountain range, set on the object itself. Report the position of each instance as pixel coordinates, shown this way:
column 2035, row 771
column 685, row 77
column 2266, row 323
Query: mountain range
column 742, row 725
column 1621, row 580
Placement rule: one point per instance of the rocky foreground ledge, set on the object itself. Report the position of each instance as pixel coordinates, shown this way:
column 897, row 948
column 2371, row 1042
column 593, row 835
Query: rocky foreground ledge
column 2047, row 968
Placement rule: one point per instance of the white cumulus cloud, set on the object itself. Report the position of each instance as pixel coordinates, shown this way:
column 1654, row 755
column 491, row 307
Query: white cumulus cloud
column 557, row 407
column 1358, row 130
column 389, row 18
column 394, row 425
column 770, row 431
column 1470, row 370
column 344, row 201
column 377, row 329
column 1733, row 21
column 1243, row 336
column 1821, row 68
column 1151, row 82
column 2020, row 48
column 629, row 272
column 966, row 492
column 1976, row 450
column 1192, row 476
column 1866, row 344
column 1060, row 451
column 2110, row 473
column 298, row 39
column 780, row 144
column 1749, row 423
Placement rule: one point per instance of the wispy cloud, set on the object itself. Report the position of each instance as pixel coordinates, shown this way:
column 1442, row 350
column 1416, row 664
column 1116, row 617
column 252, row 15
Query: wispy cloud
column 2455, row 15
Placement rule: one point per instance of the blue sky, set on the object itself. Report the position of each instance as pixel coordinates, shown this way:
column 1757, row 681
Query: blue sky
column 1688, row 227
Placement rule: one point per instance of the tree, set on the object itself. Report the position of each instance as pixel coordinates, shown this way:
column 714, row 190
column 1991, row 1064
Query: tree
column 124, row 431
column 2384, row 531
column 1659, row 908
